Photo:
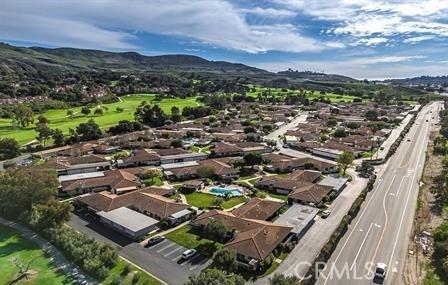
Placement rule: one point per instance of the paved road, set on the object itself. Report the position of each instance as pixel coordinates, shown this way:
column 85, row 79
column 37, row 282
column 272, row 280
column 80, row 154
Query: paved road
column 380, row 232
column 282, row 130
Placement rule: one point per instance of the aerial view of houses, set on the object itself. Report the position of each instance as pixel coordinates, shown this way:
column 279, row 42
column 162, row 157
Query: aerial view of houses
column 223, row 142
column 177, row 197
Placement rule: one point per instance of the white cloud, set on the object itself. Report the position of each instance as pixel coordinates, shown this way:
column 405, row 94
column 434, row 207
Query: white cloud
column 414, row 40
column 371, row 41
column 269, row 12
column 366, row 19
column 108, row 24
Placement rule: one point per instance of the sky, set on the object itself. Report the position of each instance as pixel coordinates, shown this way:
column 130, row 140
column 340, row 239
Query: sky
column 371, row 39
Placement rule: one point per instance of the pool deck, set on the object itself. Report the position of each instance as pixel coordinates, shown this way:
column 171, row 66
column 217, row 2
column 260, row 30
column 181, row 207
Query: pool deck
column 230, row 187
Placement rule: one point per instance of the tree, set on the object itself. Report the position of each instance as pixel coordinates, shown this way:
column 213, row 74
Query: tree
column 70, row 114
column 216, row 230
column 176, row 143
column 214, row 277
column 344, row 160
column 58, row 137
column 150, row 174
column 85, row 110
column 98, row 111
column 125, row 127
column 252, row 159
column 9, row 148
column 42, row 120
column 175, row 114
column 23, row 115
column 43, row 133
column 205, row 171
column 217, row 201
column 89, row 131
column 340, row 132
column 50, row 215
column 151, row 116
column 332, row 122
column 280, row 279
column 119, row 109
column 371, row 115
column 23, row 188
column 225, row 259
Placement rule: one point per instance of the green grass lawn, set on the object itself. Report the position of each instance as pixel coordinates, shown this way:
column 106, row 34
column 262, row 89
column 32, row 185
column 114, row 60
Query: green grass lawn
column 157, row 181
column 58, row 118
column 188, row 237
column 14, row 246
column 118, row 275
column 204, row 200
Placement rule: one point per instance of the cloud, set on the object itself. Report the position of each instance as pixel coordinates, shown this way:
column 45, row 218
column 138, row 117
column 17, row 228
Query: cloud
column 414, row 40
column 269, row 12
column 113, row 24
column 367, row 19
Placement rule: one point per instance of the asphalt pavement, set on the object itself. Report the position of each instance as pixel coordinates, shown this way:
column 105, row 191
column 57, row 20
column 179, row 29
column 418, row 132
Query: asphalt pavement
column 380, row 233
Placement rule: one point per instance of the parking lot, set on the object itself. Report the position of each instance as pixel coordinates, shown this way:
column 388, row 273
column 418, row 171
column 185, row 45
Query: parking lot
column 165, row 261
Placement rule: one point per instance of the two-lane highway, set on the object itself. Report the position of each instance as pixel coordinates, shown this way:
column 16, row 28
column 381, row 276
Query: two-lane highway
column 380, row 232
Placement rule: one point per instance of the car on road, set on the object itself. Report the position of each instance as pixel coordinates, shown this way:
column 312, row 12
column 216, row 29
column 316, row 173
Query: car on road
column 155, row 240
column 408, row 140
column 189, row 253
column 325, row 214
column 380, row 272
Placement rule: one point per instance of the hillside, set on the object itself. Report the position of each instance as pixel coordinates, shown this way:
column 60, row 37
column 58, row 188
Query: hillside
column 315, row 76
column 421, row 80
column 70, row 59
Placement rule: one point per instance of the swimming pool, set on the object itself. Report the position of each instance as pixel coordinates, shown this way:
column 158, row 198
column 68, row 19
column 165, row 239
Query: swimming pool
column 219, row 191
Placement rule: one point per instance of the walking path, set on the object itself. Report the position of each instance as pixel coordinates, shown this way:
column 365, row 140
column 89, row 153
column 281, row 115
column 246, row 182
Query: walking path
column 56, row 256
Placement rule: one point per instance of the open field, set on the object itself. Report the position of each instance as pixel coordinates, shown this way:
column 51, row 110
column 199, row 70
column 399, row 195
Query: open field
column 13, row 246
column 277, row 92
column 59, row 119
column 204, row 200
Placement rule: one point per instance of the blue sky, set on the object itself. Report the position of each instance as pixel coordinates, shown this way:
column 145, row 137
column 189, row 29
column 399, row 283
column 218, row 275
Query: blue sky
column 360, row 38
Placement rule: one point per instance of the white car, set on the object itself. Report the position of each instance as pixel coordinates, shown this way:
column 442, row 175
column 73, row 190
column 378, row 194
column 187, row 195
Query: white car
column 189, row 253
column 325, row 214
column 380, row 271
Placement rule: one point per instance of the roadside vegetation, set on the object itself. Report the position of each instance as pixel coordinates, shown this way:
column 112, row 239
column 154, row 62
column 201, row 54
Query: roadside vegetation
column 432, row 208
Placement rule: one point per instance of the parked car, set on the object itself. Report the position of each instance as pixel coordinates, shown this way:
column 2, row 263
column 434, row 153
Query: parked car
column 325, row 214
column 189, row 253
column 155, row 240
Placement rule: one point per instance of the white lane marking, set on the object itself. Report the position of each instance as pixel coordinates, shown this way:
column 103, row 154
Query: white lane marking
column 360, row 247
column 173, row 251
column 424, row 145
column 166, row 247
column 399, row 187
column 177, row 258
column 375, row 192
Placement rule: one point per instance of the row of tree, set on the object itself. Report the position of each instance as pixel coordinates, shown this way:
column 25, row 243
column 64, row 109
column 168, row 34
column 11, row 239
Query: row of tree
column 29, row 196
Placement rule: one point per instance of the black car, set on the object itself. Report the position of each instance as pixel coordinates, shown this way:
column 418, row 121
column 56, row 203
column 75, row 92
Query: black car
column 155, row 240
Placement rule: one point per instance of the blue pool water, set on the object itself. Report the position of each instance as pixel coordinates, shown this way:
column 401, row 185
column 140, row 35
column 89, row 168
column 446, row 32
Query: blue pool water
column 219, row 191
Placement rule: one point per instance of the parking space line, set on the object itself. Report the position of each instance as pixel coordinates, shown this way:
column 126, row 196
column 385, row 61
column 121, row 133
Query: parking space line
column 166, row 247
column 163, row 242
column 173, row 251
column 176, row 258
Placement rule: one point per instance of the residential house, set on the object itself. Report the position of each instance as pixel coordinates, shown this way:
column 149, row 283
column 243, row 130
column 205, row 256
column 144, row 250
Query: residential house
column 252, row 240
column 116, row 181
